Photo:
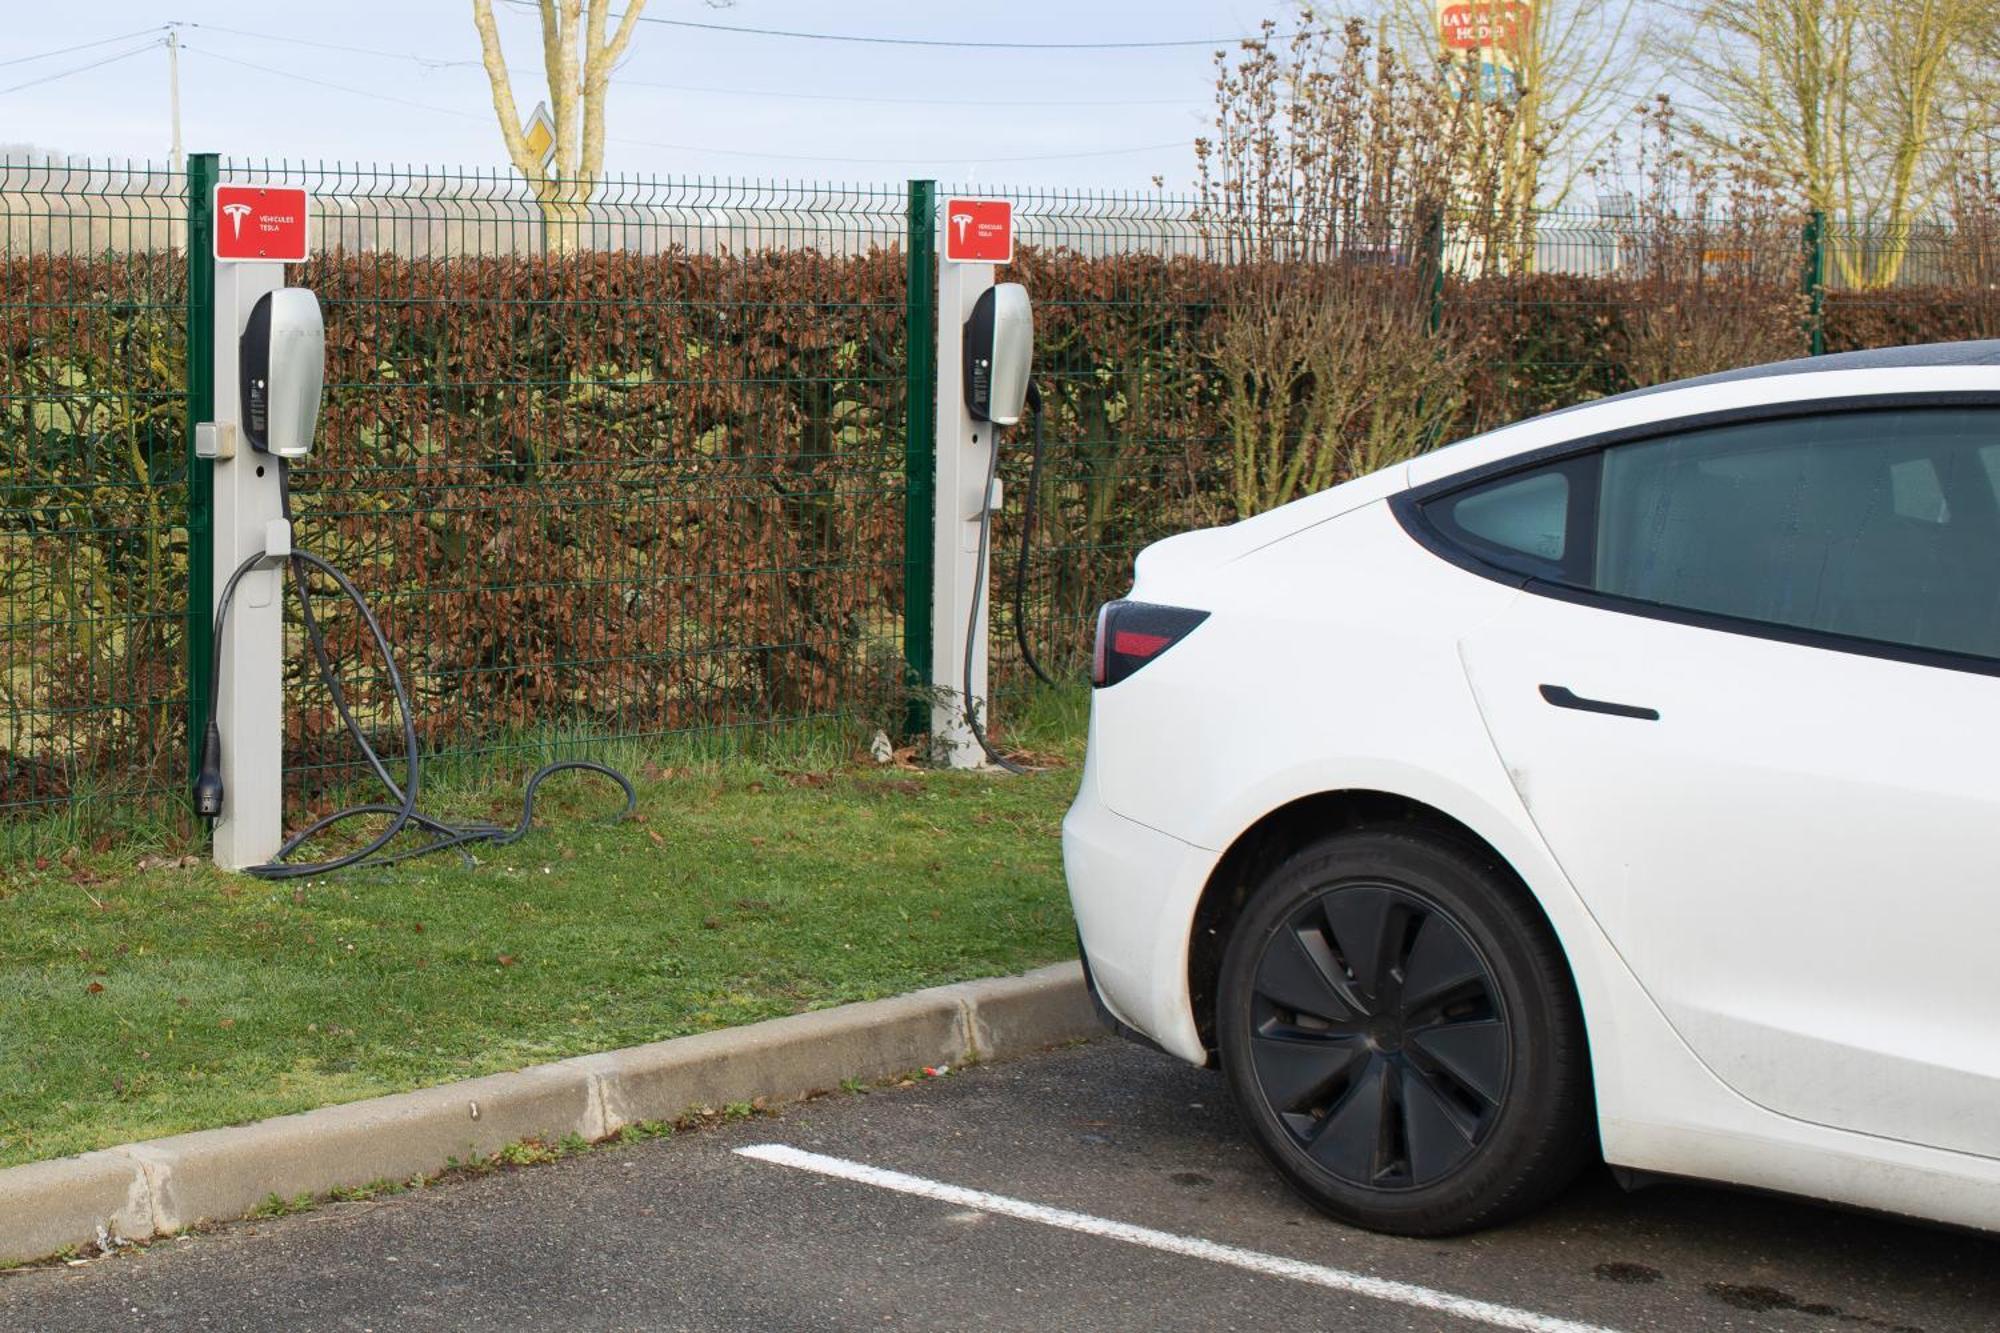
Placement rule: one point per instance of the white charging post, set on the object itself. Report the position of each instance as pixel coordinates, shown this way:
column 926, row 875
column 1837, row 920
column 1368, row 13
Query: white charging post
column 977, row 235
column 258, row 230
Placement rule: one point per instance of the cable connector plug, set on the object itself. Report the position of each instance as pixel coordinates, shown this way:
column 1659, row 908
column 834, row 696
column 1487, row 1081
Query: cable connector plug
column 208, row 785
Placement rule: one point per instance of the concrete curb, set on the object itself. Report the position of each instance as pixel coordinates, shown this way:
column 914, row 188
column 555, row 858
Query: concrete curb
column 162, row 1186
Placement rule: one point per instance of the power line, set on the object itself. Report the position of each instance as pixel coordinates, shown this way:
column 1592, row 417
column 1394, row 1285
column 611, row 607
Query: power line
column 903, row 101
column 427, row 61
column 434, row 62
column 676, row 147
column 1210, row 42
column 63, row 74
column 928, row 42
column 324, row 83
column 907, row 157
column 81, row 46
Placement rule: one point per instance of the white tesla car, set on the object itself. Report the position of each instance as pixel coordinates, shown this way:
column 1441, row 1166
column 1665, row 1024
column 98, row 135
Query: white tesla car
column 1626, row 780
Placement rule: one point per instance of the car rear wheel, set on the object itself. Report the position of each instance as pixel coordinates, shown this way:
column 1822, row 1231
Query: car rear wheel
column 1400, row 1030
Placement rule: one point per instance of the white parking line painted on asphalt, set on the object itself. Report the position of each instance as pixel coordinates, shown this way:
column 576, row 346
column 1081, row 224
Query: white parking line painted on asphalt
column 1271, row 1265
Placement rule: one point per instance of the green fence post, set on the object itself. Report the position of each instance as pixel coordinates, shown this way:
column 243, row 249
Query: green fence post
column 919, row 446
column 1815, row 282
column 202, row 172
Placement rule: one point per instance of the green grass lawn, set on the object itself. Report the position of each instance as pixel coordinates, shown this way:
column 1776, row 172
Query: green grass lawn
column 142, row 1002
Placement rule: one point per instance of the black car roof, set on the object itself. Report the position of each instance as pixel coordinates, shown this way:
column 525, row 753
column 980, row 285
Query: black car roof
column 1972, row 352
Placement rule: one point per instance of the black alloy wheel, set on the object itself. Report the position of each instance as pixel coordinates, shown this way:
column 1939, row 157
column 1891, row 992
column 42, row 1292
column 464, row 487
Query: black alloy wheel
column 1401, row 1032
column 1379, row 1036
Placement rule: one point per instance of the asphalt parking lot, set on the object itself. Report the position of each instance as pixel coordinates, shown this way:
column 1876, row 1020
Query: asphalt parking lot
column 1096, row 1187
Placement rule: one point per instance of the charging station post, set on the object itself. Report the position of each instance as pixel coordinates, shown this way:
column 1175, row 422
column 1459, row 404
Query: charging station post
column 258, row 229
column 269, row 344
column 976, row 236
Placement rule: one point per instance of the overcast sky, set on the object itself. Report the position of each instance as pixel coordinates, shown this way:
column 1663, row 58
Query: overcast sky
column 686, row 102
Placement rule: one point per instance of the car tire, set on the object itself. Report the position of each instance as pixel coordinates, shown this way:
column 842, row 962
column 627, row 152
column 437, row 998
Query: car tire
column 1401, row 1032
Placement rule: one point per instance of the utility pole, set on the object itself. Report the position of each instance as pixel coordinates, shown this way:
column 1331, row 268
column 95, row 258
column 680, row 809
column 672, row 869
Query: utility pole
column 173, row 40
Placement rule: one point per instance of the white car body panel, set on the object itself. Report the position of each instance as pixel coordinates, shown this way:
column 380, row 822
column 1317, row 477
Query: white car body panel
column 1807, row 888
column 1139, row 873
column 1211, row 548
column 1391, row 681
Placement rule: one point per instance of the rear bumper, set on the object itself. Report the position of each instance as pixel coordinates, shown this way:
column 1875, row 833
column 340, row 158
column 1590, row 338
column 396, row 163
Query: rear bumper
column 1104, row 1014
column 1134, row 891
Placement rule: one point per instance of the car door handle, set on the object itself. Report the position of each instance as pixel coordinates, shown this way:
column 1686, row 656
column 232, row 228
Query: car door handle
column 1564, row 697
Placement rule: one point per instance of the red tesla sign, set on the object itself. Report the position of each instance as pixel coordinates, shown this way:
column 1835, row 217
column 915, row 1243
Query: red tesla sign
column 261, row 222
column 979, row 231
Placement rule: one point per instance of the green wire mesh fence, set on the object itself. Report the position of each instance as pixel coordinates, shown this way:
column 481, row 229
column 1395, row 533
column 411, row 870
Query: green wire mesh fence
column 627, row 470
column 93, row 485
column 649, row 465
column 1919, row 282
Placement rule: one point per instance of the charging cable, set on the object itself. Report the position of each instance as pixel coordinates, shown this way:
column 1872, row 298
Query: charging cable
column 972, row 617
column 208, row 792
column 1027, row 544
column 979, row 581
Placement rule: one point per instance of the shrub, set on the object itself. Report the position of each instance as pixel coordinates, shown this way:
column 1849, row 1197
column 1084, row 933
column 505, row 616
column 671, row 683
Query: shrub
column 649, row 492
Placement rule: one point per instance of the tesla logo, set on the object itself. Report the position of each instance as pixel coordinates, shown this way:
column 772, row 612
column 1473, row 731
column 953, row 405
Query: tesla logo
column 961, row 221
column 236, row 213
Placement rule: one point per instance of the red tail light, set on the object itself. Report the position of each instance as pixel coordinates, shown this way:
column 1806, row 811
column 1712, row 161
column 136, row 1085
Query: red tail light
column 1131, row 634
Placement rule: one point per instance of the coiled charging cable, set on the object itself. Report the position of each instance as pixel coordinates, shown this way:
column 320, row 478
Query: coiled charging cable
column 403, row 813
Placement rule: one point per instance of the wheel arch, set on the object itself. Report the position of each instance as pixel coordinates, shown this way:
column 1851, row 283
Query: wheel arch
column 1265, row 844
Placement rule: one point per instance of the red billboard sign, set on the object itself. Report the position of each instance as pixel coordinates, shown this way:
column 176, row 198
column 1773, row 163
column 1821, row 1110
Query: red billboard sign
column 1474, row 25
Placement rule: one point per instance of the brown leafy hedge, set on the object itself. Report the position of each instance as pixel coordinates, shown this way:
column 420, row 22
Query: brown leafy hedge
column 643, row 493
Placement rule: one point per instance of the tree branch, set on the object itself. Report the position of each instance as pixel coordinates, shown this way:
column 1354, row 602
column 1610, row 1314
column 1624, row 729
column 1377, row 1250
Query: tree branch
column 503, row 93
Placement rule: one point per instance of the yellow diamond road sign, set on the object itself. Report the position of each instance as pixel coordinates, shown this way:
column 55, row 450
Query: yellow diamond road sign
column 540, row 132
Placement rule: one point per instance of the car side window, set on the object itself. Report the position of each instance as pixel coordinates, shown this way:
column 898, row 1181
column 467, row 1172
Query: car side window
column 1521, row 522
column 1864, row 524
column 1881, row 525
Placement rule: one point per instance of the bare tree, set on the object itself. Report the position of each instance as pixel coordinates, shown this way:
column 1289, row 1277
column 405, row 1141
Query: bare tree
column 577, row 59
column 1323, row 189
column 1780, row 83
column 1846, row 101
column 1575, row 71
column 1916, row 56
column 1971, row 112
column 1329, row 371
column 1714, row 271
